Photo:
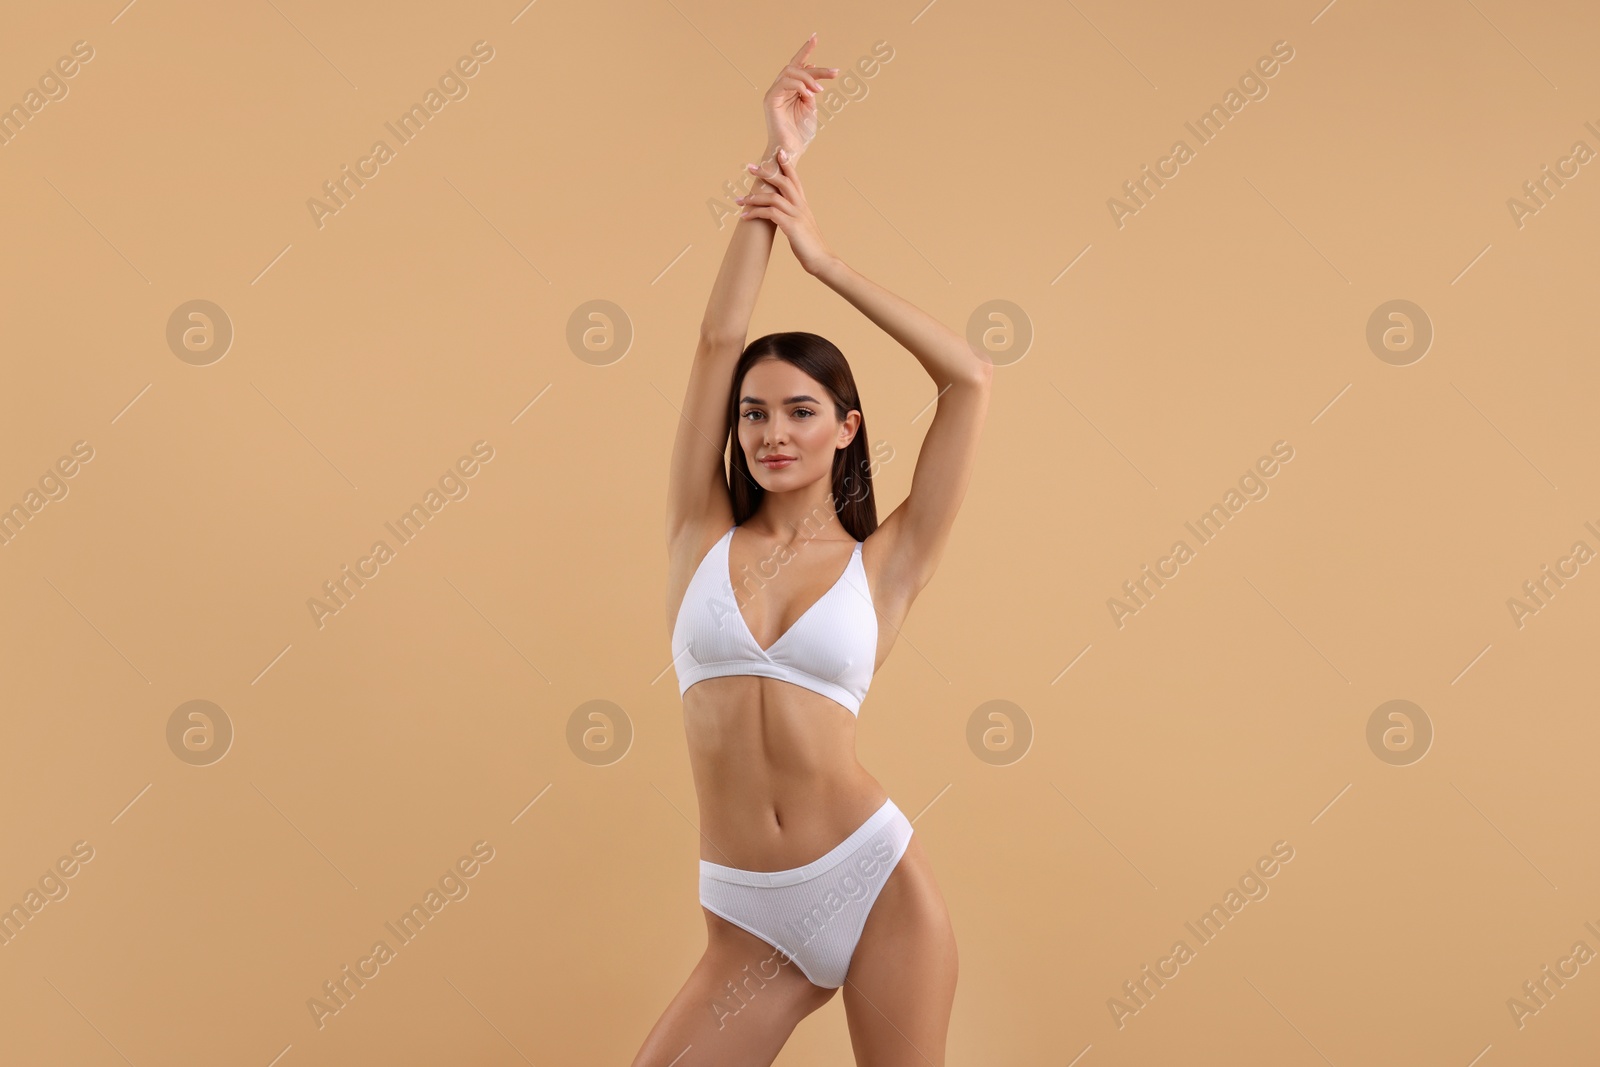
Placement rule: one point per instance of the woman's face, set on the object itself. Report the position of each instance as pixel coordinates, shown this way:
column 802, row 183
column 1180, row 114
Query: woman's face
column 784, row 412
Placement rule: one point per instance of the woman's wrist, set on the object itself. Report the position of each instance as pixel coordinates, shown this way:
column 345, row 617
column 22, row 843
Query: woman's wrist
column 830, row 270
column 768, row 162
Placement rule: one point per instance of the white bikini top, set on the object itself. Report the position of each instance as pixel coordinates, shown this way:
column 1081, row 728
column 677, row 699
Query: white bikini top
column 830, row 649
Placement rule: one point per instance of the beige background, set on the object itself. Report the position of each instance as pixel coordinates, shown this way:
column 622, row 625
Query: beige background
column 433, row 711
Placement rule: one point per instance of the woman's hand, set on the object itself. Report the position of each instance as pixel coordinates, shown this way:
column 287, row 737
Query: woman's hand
column 790, row 104
column 784, row 204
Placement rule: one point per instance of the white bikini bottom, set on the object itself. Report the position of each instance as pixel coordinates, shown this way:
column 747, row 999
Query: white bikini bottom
column 813, row 914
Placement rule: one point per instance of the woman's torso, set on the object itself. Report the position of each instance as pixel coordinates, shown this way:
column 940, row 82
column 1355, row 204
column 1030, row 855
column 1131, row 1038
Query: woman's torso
column 774, row 763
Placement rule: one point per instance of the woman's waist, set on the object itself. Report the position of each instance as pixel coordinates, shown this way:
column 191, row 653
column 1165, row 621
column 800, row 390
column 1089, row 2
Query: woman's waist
column 776, row 774
column 756, row 819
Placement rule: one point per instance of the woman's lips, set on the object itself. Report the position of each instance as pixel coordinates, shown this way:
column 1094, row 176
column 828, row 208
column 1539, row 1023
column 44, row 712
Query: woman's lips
column 777, row 464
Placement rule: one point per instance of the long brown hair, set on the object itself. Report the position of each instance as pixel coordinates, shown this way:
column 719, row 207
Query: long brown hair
column 853, row 501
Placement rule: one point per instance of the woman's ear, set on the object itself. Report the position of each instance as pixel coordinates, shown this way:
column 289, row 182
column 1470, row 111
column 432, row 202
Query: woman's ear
column 848, row 428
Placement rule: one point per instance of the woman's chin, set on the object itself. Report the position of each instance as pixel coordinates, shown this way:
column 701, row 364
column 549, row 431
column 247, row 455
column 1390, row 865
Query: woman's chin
column 780, row 478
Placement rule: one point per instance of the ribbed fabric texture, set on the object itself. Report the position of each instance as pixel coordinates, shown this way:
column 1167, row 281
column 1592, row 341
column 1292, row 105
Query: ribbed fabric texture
column 814, row 914
column 830, row 649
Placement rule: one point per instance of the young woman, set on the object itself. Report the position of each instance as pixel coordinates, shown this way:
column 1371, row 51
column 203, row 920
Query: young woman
column 784, row 595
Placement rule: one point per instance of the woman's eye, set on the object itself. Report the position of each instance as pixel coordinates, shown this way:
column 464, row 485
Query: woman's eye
column 809, row 413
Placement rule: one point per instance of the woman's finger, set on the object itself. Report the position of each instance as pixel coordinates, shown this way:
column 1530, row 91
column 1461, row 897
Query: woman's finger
column 759, row 172
column 807, row 78
column 796, row 78
column 763, row 213
column 805, row 50
column 784, row 183
column 786, row 170
column 785, row 86
column 766, row 198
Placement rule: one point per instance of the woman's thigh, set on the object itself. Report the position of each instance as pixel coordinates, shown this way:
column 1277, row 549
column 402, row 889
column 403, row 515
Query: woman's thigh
column 739, row 1005
column 902, row 979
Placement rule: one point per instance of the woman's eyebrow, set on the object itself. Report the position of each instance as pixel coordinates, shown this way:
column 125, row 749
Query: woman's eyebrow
column 790, row 400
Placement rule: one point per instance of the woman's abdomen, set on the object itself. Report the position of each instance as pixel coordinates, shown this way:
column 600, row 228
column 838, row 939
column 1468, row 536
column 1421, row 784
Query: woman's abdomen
column 775, row 772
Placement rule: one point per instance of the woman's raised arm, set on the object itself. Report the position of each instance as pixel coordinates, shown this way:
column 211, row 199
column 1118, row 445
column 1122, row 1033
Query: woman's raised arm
column 697, row 490
column 917, row 530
